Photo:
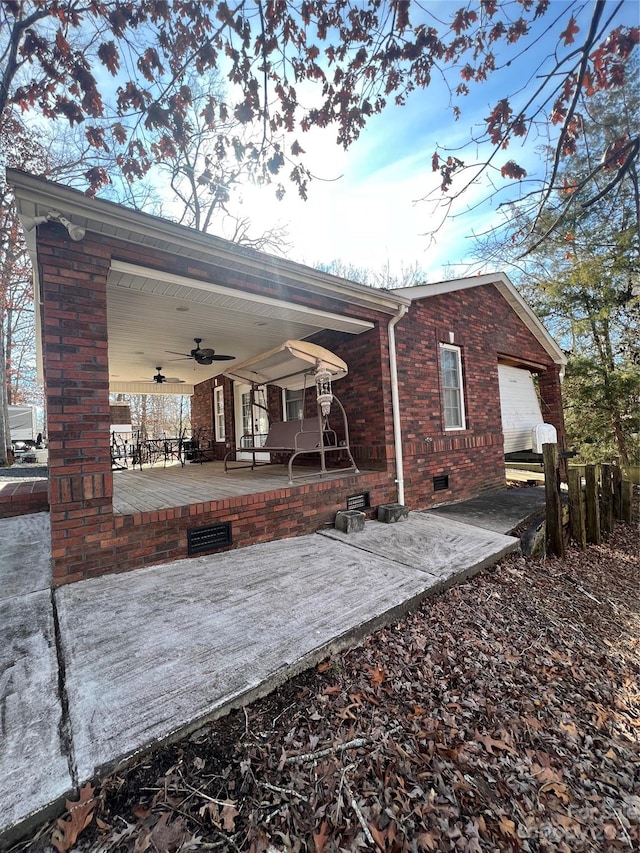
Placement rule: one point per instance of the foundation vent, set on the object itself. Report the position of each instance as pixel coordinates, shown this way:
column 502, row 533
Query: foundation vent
column 441, row 483
column 200, row 539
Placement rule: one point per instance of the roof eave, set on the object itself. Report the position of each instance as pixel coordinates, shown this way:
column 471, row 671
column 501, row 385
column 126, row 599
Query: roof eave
column 35, row 196
column 507, row 289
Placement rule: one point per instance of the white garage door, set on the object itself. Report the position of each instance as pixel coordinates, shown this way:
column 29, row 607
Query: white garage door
column 520, row 407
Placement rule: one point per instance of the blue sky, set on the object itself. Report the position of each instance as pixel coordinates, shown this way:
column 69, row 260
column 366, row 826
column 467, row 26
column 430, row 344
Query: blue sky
column 367, row 211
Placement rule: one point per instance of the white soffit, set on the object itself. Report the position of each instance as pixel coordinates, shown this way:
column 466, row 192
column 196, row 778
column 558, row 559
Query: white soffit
column 165, row 284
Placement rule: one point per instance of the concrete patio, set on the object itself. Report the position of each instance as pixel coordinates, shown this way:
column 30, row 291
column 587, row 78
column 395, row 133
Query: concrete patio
column 98, row 670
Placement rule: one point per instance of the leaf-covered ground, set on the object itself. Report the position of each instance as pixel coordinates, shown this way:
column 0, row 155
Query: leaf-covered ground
column 504, row 715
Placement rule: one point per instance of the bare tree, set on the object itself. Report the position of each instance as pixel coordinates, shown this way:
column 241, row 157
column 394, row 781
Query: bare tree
column 354, row 59
column 384, row 278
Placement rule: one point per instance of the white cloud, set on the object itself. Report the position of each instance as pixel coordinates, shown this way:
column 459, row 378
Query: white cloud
column 371, row 215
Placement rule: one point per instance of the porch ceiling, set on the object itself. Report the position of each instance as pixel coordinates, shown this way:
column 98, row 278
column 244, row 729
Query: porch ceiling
column 144, row 317
column 152, row 314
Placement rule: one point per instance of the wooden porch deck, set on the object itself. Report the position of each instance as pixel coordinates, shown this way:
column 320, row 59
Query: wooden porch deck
column 171, row 486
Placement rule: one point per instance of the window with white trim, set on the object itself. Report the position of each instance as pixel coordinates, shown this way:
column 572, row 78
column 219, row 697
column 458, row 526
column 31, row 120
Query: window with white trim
column 452, row 387
column 293, row 404
column 218, row 412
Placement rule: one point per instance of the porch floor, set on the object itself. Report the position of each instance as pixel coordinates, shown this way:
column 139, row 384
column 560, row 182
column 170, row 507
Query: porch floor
column 164, row 487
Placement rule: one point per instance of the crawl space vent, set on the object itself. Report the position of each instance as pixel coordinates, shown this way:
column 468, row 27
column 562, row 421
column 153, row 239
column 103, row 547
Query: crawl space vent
column 200, row 539
column 441, row 483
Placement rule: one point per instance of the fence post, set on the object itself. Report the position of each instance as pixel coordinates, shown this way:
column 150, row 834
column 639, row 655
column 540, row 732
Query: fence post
column 592, row 504
column 576, row 507
column 617, row 492
column 627, row 500
column 555, row 539
column 606, row 515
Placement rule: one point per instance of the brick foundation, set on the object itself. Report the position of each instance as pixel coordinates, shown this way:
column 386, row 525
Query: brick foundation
column 23, row 498
column 159, row 536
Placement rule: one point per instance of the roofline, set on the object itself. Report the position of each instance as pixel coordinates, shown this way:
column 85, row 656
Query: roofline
column 508, row 290
column 36, row 194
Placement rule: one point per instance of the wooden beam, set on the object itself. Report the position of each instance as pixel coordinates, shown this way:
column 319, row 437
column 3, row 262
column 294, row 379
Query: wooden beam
column 627, row 500
column 576, row 508
column 555, row 537
column 592, row 499
column 617, row 492
column 606, row 486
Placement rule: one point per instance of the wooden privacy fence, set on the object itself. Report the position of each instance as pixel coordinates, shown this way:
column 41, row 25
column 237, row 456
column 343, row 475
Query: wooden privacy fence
column 598, row 494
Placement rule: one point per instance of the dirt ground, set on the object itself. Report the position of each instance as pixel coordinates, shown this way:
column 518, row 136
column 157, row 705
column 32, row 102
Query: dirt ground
column 504, row 715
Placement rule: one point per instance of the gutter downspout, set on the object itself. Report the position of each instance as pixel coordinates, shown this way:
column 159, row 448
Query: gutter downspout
column 395, row 401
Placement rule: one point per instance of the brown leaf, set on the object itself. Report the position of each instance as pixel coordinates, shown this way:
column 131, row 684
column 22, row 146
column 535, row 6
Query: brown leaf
column 558, row 788
column 168, row 837
column 211, row 811
column 508, row 827
column 377, row 675
column 229, row 814
column 66, row 832
column 428, row 841
column 320, row 837
column 570, row 728
column 610, row 831
column 379, row 836
column 546, row 774
column 102, row 826
column 489, row 743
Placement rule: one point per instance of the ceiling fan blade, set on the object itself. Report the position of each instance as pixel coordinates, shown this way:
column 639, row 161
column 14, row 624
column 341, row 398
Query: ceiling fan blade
column 173, row 352
column 223, row 357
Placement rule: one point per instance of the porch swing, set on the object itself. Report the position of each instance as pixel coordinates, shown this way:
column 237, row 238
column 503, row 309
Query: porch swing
column 292, row 366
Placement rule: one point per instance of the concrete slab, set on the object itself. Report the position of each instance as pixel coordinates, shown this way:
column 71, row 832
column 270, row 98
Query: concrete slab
column 26, row 554
column 154, row 650
column 151, row 653
column 446, row 550
column 34, row 771
column 501, row 511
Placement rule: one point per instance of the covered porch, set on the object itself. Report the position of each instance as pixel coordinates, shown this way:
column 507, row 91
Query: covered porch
column 162, row 514
column 163, row 487
column 132, row 304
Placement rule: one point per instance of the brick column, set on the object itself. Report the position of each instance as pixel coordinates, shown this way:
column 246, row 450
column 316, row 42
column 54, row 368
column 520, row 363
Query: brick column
column 551, row 400
column 73, row 280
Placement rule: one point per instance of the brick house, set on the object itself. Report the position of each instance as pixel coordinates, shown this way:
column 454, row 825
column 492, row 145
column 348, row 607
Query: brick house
column 118, row 292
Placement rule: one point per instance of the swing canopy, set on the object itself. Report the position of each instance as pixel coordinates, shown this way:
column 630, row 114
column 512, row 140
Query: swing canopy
column 289, row 366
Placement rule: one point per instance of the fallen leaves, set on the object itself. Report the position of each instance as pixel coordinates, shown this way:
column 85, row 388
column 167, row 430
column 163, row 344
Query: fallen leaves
column 80, row 815
column 491, row 743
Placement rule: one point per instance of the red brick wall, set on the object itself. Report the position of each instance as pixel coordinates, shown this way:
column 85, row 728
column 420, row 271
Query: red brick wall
column 365, row 392
column 76, row 372
column 486, row 329
column 160, row 536
column 551, row 401
column 88, row 540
